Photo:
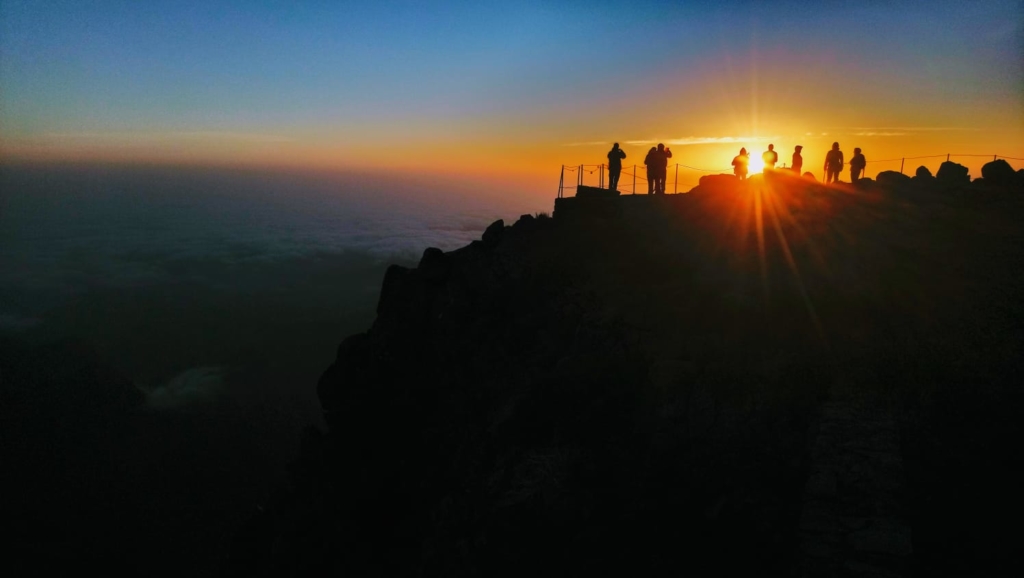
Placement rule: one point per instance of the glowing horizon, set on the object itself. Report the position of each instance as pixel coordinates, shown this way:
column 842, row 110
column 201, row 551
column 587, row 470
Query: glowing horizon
column 509, row 92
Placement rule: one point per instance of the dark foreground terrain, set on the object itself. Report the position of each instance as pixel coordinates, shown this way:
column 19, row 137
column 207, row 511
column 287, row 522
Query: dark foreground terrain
column 772, row 378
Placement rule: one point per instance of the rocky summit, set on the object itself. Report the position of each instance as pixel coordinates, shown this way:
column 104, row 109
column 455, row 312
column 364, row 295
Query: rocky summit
column 771, row 377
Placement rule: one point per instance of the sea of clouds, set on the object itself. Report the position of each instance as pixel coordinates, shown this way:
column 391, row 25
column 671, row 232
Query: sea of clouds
column 161, row 256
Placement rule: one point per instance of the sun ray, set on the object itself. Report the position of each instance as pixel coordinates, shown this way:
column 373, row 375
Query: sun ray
column 791, row 262
column 761, row 256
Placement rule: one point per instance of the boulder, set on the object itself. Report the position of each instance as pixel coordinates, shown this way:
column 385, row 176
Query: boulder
column 953, row 174
column 810, row 175
column 892, row 179
column 1000, row 173
column 718, row 182
column 923, row 172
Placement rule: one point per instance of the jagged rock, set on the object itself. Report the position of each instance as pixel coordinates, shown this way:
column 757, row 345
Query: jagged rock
column 492, row 236
column 392, row 278
column 353, row 366
column 1000, row 173
column 433, row 265
column 952, row 174
column 892, row 179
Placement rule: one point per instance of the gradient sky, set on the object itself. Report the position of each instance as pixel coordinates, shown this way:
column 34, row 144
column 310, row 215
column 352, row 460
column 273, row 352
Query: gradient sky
column 512, row 89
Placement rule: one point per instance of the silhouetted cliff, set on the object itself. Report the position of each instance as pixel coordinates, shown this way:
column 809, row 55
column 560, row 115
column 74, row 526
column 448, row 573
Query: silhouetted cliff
column 635, row 386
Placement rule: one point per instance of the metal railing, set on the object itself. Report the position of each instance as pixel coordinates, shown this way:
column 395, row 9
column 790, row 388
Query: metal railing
column 629, row 176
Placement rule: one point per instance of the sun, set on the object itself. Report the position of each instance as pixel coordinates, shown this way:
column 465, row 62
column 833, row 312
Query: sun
column 756, row 164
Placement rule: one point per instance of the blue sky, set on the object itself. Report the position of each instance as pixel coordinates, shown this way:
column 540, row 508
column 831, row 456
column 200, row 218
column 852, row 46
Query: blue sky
column 340, row 82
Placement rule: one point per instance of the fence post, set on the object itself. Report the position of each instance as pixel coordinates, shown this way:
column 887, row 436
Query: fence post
column 947, row 157
column 602, row 175
column 675, row 185
column 580, row 184
column 561, row 182
column 901, row 165
column 994, row 157
column 634, row 179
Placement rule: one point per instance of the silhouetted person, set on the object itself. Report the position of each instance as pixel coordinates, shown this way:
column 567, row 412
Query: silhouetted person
column 661, row 156
column 857, row 164
column 833, row 164
column 740, row 163
column 615, row 157
column 651, row 169
column 770, row 157
column 798, row 159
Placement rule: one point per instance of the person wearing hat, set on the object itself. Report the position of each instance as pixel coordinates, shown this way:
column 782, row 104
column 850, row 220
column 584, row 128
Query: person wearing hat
column 798, row 159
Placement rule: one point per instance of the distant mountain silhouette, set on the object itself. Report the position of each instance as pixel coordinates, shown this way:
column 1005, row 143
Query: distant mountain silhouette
column 767, row 377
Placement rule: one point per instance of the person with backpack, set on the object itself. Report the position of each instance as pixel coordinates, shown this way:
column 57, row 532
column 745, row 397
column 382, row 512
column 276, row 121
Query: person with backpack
column 857, row 165
column 833, row 164
column 740, row 163
column 615, row 157
column 770, row 157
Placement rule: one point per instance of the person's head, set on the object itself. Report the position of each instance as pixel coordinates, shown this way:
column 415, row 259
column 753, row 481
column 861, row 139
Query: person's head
column 799, row 148
column 615, row 146
column 654, row 149
column 771, row 147
column 835, row 146
column 661, row 146
column 743, row 151
column 856, row 151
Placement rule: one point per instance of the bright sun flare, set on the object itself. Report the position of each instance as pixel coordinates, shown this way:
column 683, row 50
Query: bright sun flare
column 756, row 164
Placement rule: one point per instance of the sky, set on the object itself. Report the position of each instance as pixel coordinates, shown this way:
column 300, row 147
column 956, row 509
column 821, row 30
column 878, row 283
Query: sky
column 479, row 90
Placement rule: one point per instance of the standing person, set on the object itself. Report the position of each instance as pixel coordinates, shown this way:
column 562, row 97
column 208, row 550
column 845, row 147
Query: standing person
column 661, row 162
column 857, row 165
column 651, row 170
column 739, row 163
column 798, row 159
column 615, row 157
column 770, row 157
column 833, row 164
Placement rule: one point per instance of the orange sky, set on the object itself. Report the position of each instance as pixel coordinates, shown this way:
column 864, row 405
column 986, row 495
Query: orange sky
column 513, row 95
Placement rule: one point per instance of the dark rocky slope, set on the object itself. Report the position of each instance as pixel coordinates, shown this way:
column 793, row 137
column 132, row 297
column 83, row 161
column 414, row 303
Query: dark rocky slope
column 635, row 386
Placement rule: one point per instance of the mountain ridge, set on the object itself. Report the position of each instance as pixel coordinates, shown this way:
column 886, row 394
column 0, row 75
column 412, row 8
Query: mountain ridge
column 637, row 385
